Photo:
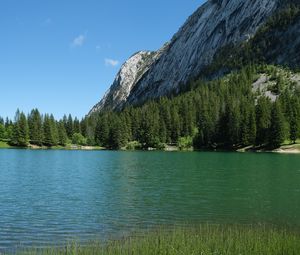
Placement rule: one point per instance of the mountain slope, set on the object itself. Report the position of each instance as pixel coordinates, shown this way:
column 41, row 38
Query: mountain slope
column 131, row 71
column 276, row 42
column 214, row 25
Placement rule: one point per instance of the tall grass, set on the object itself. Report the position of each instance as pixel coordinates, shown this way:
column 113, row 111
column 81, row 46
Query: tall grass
column 201, row 240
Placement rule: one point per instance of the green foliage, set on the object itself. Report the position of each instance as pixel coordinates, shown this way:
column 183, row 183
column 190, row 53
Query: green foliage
column 185, row 143
column 134, row 145
column 203, row 239
column 35, row 127
column 294, row 120
column 4, row 145
column 117, row 134
column 2, row 131
column 62, row 134
column 79, row 139
column 69, row 125
column 20, row 131
column 50, row 131
column 76, row 126
column 263, row 119
column 102, row 131
column 277, row 129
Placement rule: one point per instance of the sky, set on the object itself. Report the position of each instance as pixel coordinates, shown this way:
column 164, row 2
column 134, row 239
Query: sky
column 61, row 56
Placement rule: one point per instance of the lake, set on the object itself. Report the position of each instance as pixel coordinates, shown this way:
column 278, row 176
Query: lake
column 51, row 197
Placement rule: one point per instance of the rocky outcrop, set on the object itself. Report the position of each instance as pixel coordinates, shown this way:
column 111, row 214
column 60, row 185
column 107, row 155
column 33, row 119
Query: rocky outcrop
column 130, row 73
column 215, row 24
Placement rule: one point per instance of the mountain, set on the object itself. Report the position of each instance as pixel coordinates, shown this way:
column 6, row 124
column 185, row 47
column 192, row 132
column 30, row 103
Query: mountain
column 128, row 76
column 214, row 26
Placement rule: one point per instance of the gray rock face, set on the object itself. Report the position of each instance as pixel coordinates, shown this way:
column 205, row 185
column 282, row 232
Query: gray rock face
column 130, row 73
column 214, row 25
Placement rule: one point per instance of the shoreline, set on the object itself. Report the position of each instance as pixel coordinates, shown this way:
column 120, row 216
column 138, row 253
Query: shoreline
column 4, row 145
column 284, row 149
column 199, row 239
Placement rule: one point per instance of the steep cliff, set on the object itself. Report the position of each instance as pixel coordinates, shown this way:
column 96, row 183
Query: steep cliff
column 130, row 73
column 214, row 25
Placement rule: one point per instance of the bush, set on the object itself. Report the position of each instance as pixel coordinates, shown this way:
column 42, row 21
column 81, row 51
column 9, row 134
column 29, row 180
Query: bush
column 185, row 143
column 134, row 145
column 79, row 139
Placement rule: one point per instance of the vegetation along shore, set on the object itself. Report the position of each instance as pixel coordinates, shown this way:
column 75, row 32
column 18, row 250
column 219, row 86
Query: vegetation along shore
column 204, row 239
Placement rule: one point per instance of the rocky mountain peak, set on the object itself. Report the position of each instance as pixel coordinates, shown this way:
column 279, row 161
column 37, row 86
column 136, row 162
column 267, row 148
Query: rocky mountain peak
column 217, row 23
column 130, row 72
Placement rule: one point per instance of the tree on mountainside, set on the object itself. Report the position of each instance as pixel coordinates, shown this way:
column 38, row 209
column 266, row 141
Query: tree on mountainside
column 102, row 131
column 277, row 129
column 263, row 120
column 294, row 120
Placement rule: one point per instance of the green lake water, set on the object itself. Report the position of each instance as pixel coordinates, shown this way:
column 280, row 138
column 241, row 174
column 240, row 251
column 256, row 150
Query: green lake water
column 51, row 197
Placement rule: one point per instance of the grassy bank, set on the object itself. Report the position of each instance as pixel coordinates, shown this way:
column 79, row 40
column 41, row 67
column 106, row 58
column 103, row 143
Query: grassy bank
column 202, row 240
column 4, row 145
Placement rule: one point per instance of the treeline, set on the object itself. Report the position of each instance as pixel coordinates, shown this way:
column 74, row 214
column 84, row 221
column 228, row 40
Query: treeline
column 42, row 130
column 225, row 113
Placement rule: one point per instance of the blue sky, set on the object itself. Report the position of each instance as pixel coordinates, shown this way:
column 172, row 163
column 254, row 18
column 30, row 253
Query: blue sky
column 62, row 55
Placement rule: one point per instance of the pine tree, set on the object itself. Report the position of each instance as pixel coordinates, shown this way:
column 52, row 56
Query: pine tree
column 175, row 125
column 54, row 130
column 7, row 123
column 165, row 114
column 76, row 126
column 16, row 129
column 70, row 126
column 62, row 134
column 277, row 129
column 162, row 131
column 102, row 132
column 150, row 127
column 20, row 133
column 23, row 139
column 294, row 120
column 2, row 131
column 83, row 127
column 248, row 124
column 116, row 136
column 229, row 126
column 51, row 136
column 48, row 140
column 263, row 120
column 35, row 127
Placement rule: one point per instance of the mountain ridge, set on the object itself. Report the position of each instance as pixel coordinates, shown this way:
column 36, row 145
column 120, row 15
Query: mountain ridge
column 211, row 27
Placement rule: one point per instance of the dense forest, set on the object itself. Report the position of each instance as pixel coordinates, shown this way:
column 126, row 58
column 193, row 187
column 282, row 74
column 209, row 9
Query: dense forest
column 225, row 113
